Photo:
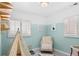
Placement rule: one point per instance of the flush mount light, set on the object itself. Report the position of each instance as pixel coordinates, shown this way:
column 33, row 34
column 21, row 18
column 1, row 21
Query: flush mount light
column 44, row 4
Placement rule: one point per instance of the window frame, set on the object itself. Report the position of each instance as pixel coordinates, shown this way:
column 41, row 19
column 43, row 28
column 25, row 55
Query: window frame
column 68, row 26
column 20, row 27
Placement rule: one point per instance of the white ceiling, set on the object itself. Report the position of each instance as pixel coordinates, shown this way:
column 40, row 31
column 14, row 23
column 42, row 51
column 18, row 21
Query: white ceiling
column 35, row 8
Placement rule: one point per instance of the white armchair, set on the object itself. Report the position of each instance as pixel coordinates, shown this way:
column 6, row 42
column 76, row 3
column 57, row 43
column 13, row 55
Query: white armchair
column 75, row 50
column 47, row 44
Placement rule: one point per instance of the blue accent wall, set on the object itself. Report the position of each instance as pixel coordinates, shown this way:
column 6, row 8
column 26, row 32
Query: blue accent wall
column 62, row 43
column 4, row 42
column 0, row 43
column 33, row 40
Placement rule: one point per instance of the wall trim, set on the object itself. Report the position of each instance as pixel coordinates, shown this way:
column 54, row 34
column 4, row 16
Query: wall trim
column 62, row 52
column 57, row 50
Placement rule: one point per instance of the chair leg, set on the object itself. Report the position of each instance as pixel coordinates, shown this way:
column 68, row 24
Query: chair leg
column 71, row 52
column 78, row 53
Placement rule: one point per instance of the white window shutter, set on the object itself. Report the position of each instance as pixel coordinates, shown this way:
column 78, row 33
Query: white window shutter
column 14, row 25
column 26, row 28
column 71, row 27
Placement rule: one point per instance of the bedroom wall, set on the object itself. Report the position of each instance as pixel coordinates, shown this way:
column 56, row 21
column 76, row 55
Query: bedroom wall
column 4, row 42
column 33, row 40
column 62, row 43
column 33, row 18
column 0, row 43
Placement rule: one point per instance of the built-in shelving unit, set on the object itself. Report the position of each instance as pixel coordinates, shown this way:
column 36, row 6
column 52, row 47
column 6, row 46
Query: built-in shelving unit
column 6, row 5
column 5, row 11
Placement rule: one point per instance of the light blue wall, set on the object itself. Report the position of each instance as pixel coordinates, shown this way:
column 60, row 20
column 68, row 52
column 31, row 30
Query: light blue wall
column 4, row 42
column 33, row 40
column 60, row 41
column 0, row 43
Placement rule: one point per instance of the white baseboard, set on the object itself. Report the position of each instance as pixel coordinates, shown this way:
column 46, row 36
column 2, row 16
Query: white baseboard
column 56, row 50
column 62, row 52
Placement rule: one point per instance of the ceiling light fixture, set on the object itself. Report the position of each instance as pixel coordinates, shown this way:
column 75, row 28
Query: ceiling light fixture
column 44, row 4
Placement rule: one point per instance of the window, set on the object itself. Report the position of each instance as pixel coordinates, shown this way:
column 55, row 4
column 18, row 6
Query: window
column 14, row 25
column 24, row 27
column 71, row 27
